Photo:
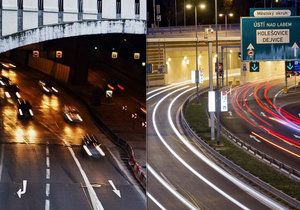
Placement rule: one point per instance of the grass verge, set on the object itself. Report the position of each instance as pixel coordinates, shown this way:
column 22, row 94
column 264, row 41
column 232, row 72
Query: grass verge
column 196, row 116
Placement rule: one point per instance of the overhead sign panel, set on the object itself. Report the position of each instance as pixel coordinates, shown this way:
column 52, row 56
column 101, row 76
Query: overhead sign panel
column 272, row 12
column 270, row 38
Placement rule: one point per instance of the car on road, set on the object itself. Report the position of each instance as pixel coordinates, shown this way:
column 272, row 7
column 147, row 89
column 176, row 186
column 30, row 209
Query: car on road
column 24, row 109
column 115, row 86
column 4, row 81
column 71, row 114
column 8, row 66
column 12, row 92
column 48, row 87
column 92, row 147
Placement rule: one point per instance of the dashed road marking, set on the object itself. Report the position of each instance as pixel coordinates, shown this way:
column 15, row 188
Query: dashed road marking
column 48, row 173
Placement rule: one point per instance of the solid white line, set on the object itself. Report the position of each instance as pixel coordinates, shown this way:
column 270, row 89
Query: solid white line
column 48, row 173
column 156, row 201
column 47, row 189
column 93, row 196
column 1, row 160
column 255, row 194
column 47, row 204
column 165, row 90
column 190, row 168
column 48, row 162
column 164, row 87
column 170, row 189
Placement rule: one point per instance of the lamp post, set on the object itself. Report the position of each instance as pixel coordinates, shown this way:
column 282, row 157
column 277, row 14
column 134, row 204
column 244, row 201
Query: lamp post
column 226, row 15
column 202, row 6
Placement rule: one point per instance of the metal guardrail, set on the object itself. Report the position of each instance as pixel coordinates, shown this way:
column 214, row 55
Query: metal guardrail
column 187, row 29
column 235, row 168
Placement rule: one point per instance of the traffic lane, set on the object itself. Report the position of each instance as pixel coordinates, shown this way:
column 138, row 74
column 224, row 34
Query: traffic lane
column 48, row 110
column 243, row 130
column 174, row 171
column 161, row 194
column 214, row 177
column 100, row 171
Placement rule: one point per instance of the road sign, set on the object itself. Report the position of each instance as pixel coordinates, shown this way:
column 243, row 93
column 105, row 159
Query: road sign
column 197, row 76
column 270, row 38
column 224, row 101
column 272, row 12
column 211, row 101
column 35, row 53
column 109, row 94
column 114, row 55
column 289, row 66
column 136, row 56
column 58, row 54
column 254, row 66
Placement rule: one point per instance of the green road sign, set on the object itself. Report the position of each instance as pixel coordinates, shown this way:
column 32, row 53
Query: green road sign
column 254, row 66
column 270, row 38
column 272, row 12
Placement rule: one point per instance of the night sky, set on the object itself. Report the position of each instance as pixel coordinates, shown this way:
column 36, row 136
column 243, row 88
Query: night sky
column 238, row 7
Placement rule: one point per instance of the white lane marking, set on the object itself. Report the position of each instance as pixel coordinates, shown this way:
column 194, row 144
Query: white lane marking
column 156, row 201
column 47, row 150
column 47, row 204
column 167, row 180
column 1, row 160
column 171, row 85
column 47, row 189
column 48, row 173
column 48, row 162
column 251, row 94
column 255, row 194
column 170, row 189
column 22, row 190
column 93, row 196
column 183, row 161
column 254, row 138
column 114, row 188
column 167, row 89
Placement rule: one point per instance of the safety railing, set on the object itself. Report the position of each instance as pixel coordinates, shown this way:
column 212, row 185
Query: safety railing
column 237, row 169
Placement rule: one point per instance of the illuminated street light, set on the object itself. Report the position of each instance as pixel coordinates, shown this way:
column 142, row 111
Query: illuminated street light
column 202, row 6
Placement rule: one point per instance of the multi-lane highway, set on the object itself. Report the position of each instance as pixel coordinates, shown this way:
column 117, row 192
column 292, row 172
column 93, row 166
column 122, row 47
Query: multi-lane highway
column 257, row 117
column 180, row 175
column 46, row 151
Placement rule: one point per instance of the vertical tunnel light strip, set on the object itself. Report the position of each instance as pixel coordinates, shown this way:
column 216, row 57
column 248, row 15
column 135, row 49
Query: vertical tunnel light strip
column 169, row 188
column 181, row 160
column 259, row 196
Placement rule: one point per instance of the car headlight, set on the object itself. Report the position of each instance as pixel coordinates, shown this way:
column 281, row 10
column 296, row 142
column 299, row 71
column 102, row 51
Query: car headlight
column 18, row 95
column 100, row 150
column 54, row 89
column 46, row 89
column 79, row 118
column 69, row 118
column 30, row 112
column 7, row 94
column 87, row 150
column 20, row 112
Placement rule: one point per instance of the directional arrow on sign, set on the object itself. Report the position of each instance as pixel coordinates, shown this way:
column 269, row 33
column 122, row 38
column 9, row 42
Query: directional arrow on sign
column 290, row 66
column 250, row 47
column 295, row 47
column 254, row 67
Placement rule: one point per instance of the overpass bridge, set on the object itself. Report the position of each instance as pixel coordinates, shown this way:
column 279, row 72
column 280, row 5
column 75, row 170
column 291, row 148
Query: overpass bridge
column 171, row 51
column 24, row 22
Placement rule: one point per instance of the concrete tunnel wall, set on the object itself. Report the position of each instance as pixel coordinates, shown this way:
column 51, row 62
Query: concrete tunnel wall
column 181, row 61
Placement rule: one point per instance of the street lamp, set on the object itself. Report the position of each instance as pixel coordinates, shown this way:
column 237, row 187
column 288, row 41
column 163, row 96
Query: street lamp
column 225, row 15
column 202, row 7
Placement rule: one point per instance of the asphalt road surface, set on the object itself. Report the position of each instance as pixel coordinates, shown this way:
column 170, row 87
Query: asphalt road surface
column 180, row 176
column 46, row 151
